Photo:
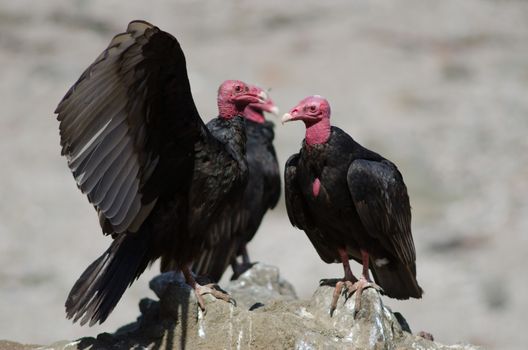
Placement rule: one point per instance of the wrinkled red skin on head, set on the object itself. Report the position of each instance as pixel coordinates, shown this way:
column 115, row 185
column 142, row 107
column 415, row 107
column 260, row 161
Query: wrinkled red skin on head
column 317, row 123
column 227, row 107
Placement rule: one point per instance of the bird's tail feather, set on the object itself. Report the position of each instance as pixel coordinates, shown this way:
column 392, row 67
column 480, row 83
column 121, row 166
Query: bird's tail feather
column 101, row 285
column 398, row 280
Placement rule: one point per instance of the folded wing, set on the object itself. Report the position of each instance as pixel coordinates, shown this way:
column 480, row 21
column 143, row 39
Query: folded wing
column 299, row 214
column 381, row 200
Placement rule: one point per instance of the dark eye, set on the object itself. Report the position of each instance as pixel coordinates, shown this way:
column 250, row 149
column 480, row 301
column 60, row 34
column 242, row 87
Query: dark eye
column 312, row 108
column 238, row 88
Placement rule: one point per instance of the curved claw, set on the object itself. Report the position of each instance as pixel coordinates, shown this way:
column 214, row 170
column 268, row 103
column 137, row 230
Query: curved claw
column 351, row 288
column 337, row 292
column 330, row 281
column 358, row 288
column 214, row 290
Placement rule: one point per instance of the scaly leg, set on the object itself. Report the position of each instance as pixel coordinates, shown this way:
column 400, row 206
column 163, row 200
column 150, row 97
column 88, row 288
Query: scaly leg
column 352, row 284
column 240, row 268
column 363, row 282
column 348, row 281
column 245, row 255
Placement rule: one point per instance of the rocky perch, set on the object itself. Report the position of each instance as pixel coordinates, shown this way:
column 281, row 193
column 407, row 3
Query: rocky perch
column 268, row 315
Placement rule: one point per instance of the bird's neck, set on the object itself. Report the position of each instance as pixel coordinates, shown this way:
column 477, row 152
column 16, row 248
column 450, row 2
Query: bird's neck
column 235, row 138
column 227, row 110
column 318, row 133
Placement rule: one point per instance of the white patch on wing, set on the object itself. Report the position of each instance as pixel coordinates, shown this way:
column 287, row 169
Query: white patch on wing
column 381, row 262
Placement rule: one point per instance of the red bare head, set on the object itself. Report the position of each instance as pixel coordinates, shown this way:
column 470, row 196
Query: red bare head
column 315, row 112
column 255, row 111
column 234, row 96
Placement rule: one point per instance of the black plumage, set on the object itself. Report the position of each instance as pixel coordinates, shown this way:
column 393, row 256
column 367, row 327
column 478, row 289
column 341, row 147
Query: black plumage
column 351, row 202
column 158, row 178
column 264, row 181
column 261, row 194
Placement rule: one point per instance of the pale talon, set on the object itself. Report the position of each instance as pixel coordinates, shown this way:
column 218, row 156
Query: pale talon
column 358, row 288
column 200, row 290
column 210, row 289
column 337, row 292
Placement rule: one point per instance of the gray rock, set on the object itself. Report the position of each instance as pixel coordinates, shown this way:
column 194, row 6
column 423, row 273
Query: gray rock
column 10, row 345
column 260, row 285
column 268, row 316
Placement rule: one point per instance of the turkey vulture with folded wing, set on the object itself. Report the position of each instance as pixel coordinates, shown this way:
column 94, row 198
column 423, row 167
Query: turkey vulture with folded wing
column 157, row 177
column 352, row 203
column 262, row 193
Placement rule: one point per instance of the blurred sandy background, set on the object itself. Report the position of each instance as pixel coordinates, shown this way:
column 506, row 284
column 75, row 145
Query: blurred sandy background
column 439, row 87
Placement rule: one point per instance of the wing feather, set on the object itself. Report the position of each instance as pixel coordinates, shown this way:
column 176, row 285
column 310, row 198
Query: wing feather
column 95, row 120
column 104, row 185
column 109, row 190
column 381, row 200
column 295, row 205
column 298, row 211
column 122, row 195
column 102, row 158
column 128, row 210
column 93, row 139
column 129, row 114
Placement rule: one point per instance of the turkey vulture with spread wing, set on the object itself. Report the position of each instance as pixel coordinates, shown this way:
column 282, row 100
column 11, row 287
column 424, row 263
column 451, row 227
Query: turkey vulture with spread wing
column 157, row 177
column 262, row 193
column 352, row 203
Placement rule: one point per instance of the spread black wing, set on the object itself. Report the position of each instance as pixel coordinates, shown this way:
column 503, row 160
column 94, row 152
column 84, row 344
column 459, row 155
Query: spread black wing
column 128, row 129
column 299, row 213
column 128, row 122
column 381, row 200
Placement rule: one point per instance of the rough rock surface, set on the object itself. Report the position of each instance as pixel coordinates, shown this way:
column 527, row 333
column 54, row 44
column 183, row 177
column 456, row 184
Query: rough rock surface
column 268, row 315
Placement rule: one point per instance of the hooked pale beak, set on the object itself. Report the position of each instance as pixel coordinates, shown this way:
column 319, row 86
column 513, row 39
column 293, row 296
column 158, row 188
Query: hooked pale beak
column 291, row 116
column 265, row 104
column 263, row 96
column 287, row 117
column 274, row 110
